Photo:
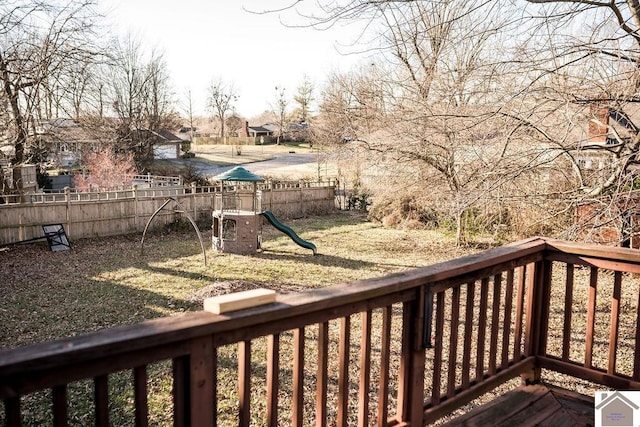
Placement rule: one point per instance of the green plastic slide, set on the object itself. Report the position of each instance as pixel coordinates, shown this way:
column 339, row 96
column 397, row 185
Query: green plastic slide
column 288, row 231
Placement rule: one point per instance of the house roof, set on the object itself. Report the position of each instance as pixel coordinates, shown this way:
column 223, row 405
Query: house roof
column 65, row 130
column 160, row 136
column 259, row 129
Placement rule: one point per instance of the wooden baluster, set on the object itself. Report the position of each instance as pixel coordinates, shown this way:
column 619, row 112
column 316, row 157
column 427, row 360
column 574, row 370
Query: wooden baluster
column 437, row 354
column 244, row 383
column 343, row 374
column 636, row 362
column 101, row 397
column 140, row 396
column 615, row 319
column 495, row 320
column 181, row 392
column 468, row 332
column 547, row 271
column 273, row 372
column 453, row 342
column 60, row 415
column 385, row 352
column 298, row 377
column 321, row 375
column 519, row 320
column 12, row 412
column 591, row 317
column 568, row 312
column 365, row 370
column 506, row 327
column 482, row 329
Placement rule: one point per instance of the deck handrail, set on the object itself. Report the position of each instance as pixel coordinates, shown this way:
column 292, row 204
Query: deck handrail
column 440, row 369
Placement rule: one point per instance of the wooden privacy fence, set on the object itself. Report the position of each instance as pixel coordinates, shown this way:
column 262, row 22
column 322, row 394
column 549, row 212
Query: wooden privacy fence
column 94, row 214
column 405, row 349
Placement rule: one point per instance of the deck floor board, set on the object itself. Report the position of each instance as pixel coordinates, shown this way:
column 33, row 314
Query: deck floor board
column 531, row 405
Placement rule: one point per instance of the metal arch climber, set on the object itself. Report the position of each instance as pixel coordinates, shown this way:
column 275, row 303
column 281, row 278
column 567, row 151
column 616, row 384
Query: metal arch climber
column 195, row 227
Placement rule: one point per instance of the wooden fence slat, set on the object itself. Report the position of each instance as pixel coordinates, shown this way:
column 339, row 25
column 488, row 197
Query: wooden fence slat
column 321, row 375
column 385, row 353
column 591, row 317
column 615, row 319
column 12, row 412
column 365, row 369
column 118, row 212
column 519, row 320
column 495, row 323
column 273, row 380
column 506, row 327
column 343, row 374
column 298, row 377
column 468, row 332
column 437, row 350
column 453, row 342
column 244, row 383
column 482, row 328
column 140, row 396
column 568, row 311
column 60, row 410
column 101, row 399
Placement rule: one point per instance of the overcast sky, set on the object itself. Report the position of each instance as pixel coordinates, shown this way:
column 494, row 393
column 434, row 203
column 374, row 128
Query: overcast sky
column 207, row 39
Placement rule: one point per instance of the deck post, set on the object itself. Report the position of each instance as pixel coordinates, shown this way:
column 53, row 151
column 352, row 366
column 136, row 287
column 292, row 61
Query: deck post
column 538, row 299
column 411, row 387
column 201, row 377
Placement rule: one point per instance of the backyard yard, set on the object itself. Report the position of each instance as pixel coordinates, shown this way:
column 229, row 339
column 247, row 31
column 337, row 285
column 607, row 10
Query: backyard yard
column 108, row 282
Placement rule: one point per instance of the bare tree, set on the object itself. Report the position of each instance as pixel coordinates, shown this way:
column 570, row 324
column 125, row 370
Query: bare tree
column 280, row 111
column 429, row 115
column 142, row 96
column 304, row 98
column 38, row 39
column 222, row 96
column 188, row 110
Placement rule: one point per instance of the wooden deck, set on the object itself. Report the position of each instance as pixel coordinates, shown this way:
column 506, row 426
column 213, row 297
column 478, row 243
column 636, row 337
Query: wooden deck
column 532, row 405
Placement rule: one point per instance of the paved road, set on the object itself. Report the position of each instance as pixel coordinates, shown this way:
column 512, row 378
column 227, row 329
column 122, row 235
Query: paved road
column 282, row 164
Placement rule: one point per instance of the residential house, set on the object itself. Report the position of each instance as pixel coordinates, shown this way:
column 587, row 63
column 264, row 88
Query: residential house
column 64, row 140
column 164, row 144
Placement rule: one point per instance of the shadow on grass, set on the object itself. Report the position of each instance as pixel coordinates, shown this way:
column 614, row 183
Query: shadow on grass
column 319, row 259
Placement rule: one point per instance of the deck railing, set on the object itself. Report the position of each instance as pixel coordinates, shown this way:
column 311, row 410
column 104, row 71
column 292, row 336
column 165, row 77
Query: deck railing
column 404, row 349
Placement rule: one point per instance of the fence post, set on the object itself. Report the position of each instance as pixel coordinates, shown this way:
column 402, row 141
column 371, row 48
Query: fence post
column 135, row 206
column 195, row 201
column 67, row 198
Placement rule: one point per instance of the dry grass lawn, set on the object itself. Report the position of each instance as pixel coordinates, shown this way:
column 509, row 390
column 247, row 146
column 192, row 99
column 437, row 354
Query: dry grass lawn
column 107, row 282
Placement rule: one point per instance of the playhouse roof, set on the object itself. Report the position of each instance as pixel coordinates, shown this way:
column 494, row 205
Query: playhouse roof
column 238, row 174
